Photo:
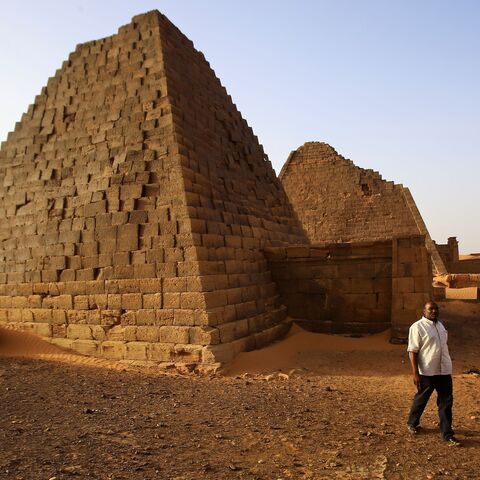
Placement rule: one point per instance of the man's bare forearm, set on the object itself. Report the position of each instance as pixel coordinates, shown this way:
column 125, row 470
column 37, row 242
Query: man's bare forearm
column 414, row 362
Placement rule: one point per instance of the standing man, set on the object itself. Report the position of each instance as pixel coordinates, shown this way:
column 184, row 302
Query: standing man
column 432, row 370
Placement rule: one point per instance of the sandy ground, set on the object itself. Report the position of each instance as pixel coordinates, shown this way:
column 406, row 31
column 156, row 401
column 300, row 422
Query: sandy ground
column 312, row 406
column 469, row 256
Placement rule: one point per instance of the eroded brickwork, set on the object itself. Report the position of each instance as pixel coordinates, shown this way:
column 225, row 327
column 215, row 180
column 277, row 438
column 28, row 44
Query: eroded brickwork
column 356, row 287
column 134, row 201
column 336, row 288
column 338, row 202
column 411, row 283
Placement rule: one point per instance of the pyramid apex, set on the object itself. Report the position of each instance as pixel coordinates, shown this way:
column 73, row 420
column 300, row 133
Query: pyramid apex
column 318, row 146
column 146, row 16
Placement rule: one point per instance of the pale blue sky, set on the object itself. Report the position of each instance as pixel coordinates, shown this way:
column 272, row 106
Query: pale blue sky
column 392, row 85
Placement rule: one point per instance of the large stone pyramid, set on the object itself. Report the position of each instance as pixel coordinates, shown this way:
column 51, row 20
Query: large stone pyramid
column 337, row 201
column 134, row 204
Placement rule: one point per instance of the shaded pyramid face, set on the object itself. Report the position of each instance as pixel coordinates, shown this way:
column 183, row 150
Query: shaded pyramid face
column 337, row 201
column 134, row 204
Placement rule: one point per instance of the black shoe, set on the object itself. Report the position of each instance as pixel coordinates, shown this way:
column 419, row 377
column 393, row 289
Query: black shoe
column 453, row 442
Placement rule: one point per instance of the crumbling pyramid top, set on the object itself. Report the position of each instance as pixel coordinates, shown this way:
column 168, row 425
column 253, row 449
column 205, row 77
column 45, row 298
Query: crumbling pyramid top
column 337, row 201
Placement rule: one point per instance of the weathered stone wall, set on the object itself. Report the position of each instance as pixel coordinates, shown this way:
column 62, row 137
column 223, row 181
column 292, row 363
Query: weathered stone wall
column 134, row 200
column 336, row 288
column 236, row 203
column 449, row 252
column 336, row 201
column 465, row 266
column 362, row 287
column 411, row 283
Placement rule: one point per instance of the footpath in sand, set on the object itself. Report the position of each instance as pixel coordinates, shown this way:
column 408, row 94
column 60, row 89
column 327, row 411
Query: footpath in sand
column 310, row 407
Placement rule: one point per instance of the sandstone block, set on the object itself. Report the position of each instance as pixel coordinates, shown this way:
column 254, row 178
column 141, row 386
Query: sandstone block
column 42, row 315
column 116, row 333
column 114, row 301
column 83, row 332
column 164, row 317
column 215, row 299
column 204, row 336
column 193, row 300
column 152, row 300
column 80, row 302
column 41, row 329
column 222, row 353
column 187, row 353
column 403, row 285
column 183, row 317
column 145, row 317
column 150, row 285
column 161, row 352
column 171, row 300
column 84, row 274
column 172, row 334
column 137, row 350
column 147, row 334
column 115, row 350
column 86, row 347
column 132, row 301
column 59, row 331
column 175, row 284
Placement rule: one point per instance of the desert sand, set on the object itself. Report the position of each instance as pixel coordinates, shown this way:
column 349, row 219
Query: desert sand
column 469, row 256
column 311, row 406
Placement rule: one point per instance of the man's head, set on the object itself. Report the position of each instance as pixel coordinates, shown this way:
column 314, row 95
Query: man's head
column 431, row 311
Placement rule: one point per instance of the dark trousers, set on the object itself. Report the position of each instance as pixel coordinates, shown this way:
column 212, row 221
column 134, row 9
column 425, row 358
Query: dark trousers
column 443, row 385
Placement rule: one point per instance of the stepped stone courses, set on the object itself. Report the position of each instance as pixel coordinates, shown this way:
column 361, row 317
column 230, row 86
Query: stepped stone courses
column 135, row 203
column 336, row 201
column 141, row 219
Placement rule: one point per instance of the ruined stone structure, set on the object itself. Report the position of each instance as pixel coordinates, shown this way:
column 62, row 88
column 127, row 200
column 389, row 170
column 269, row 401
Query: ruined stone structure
column 141, row 219
column 338, row 202
column 450, row 256
column 448, row 252
column 134, row 204
column 357, row 287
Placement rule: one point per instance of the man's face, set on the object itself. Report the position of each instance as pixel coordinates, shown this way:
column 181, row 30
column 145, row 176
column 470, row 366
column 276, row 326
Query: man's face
column 431, row 311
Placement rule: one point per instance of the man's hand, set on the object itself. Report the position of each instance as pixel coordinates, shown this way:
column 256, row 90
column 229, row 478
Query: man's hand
column 416, row 380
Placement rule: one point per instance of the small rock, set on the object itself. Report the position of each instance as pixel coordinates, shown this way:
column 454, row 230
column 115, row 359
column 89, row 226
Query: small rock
column 71, row 469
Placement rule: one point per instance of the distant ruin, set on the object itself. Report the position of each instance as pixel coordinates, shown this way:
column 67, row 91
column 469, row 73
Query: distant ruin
column 451, row 258
column 142, row 221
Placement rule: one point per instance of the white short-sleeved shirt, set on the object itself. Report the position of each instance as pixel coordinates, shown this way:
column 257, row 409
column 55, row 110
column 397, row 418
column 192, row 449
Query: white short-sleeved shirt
column 429, row 340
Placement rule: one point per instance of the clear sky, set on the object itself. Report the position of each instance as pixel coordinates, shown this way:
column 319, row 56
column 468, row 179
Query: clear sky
column 394, row 85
